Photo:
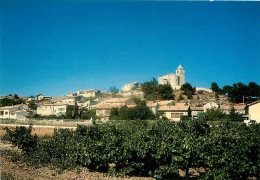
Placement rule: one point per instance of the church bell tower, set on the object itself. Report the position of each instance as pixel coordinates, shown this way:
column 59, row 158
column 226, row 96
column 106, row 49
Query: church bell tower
column 181, row 73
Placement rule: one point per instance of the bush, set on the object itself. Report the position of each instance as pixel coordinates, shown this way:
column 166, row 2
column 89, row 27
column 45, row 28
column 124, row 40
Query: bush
column 143, row 148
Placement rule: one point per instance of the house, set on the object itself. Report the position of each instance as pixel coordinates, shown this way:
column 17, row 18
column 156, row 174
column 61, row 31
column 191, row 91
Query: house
column 89, row 93
column 73, row 100
column 42, row 97
column 196, row 110
column 118, row 101
column 210, row 105
column 175, row 112
column 239, row 108
column 165, row 102
column 253, row 111
column 13, row 112
column 103, row 108
column 91, row 104
column 53, row 109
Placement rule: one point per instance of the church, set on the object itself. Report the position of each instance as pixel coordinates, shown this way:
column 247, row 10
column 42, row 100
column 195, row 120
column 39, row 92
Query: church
column 175, row 80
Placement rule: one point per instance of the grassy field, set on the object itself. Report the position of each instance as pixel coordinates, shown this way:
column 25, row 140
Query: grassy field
column 42, row 132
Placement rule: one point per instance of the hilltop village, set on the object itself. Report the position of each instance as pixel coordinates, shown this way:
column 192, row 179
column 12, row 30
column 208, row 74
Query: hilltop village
column 95, row 104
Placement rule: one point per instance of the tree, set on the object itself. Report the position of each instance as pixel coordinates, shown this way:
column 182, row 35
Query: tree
column 188, row 88
column 234, row 116
column 215, row 114
column 123, row 113
column 189, row 95
column 114, row 90
column 88, row 114
column 114, row 113
column 254, row 89
column 16, row 96
column 215, row 88
column 165, row 92
column 150, row 89
column 180, row 98
column 32, row 105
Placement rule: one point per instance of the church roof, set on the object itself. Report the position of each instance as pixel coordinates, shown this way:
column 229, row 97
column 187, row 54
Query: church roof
column 180, row 67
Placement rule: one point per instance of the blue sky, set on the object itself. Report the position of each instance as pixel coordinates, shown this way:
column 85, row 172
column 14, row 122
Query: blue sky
column 57, row 47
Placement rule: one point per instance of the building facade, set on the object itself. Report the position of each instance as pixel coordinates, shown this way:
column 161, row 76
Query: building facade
column 253, row 111
column 53, row 109
column 89, row 93
column 13, row 112
column 175, row 80
column 175, row 112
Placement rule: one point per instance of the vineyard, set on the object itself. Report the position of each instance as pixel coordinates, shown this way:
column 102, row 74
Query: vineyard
column 156, row 149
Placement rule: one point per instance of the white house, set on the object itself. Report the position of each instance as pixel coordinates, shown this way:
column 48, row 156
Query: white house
column 53, row 109
column 42, row 97
column 89, row 93
column 253, row 111
column 13, row 112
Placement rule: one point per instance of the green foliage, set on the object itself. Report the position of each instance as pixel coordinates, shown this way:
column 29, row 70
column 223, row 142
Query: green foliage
column 22, row 138
column 189, row 95
column 114, row 90
column 187, row 88
column 88, row 114
column 165, row 92
column 140, row 112
column 215, row 88
column 11, row 101
column 215, row 114
column 150, row 89
column 240, row 92
column 158, row 149
column 32, row 105
column 180, row 98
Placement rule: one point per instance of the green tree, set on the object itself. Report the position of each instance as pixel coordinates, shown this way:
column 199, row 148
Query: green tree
column 114, row 113
column 88, row 114
column 215, row 88
column 214, row 114
column 123, row 113
column 150, row 90
column 32, row 105
column 254, row 89
column 234, row 116
column 188, row 88
column 114, row 90
column 189, row 95
column 165, row 92
column 16, row 96
column 180, row 98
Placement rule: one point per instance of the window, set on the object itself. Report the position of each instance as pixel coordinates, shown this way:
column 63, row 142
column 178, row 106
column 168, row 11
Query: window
column 1, row 113
column 6, row 112
column 176, row 115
